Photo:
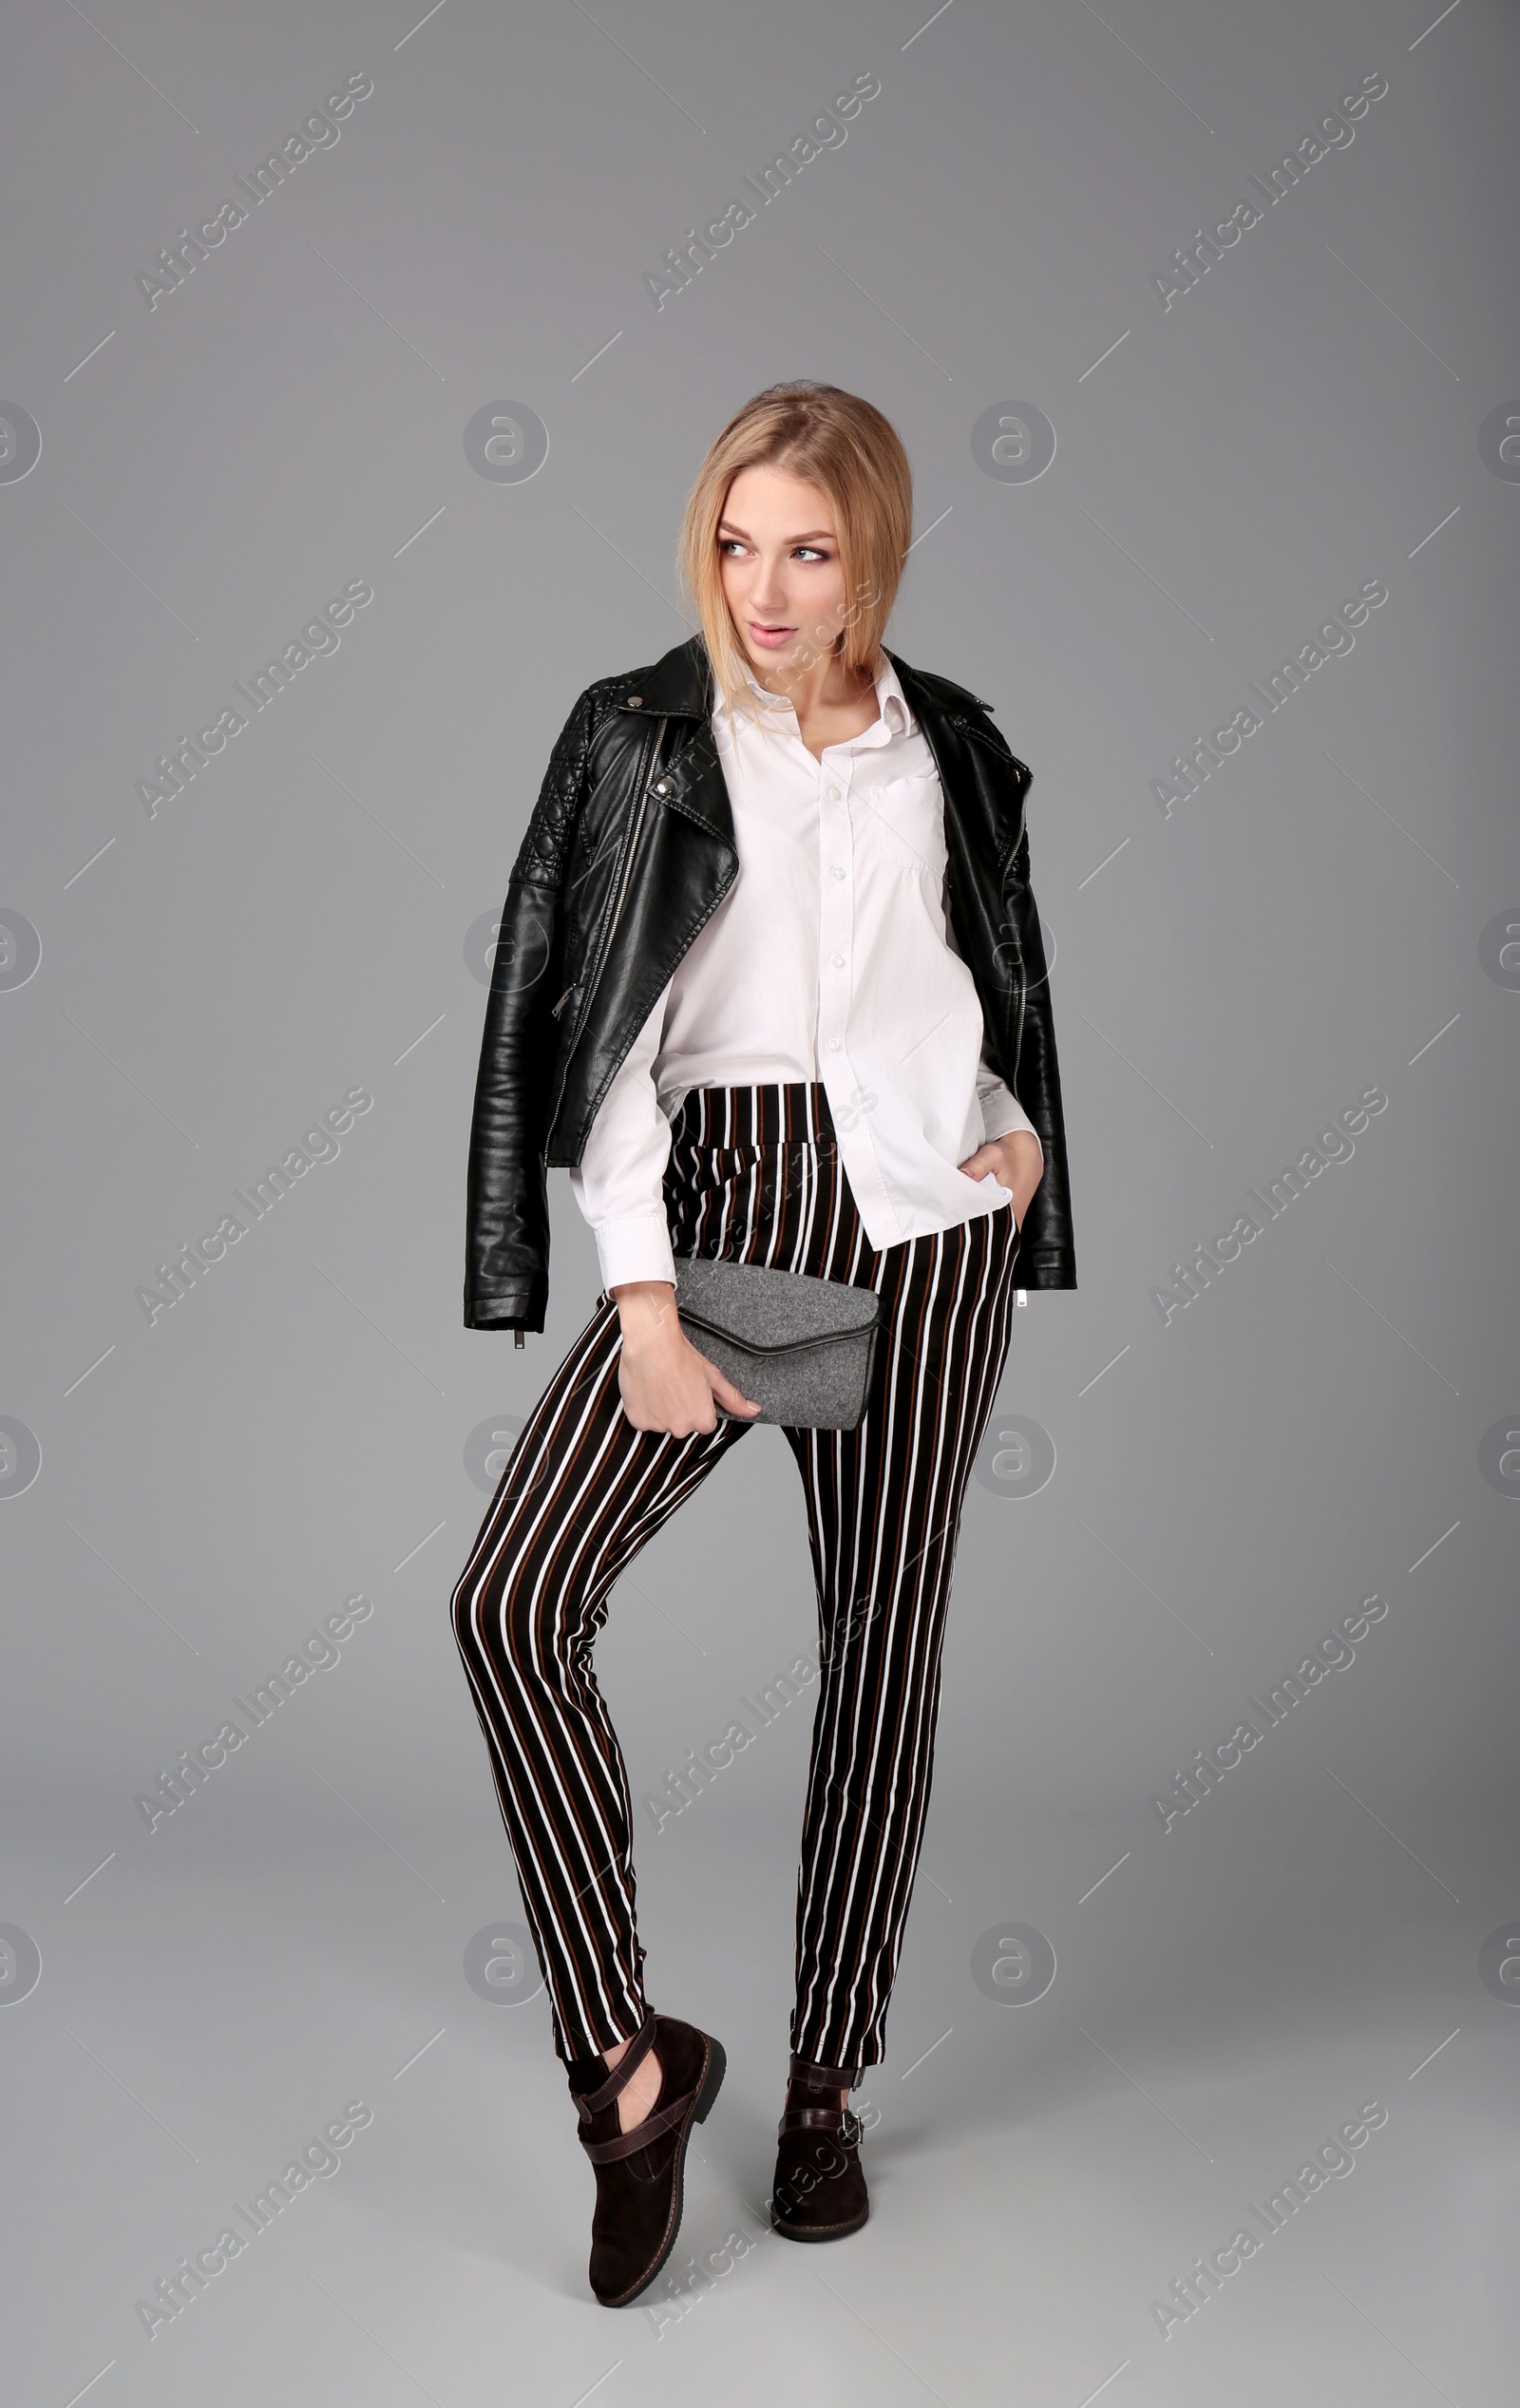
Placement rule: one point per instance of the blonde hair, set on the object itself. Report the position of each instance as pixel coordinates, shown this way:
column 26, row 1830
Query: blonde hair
column 845, row 448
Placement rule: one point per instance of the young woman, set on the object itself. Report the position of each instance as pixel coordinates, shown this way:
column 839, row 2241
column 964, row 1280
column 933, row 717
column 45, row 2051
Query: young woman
column 769, row 984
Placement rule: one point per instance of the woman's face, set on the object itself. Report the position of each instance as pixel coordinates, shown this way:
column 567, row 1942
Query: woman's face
column 783, row 577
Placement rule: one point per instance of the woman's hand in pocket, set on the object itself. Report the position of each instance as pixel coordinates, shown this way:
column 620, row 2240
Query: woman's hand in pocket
column 665, row 1384
column 1016, row 1162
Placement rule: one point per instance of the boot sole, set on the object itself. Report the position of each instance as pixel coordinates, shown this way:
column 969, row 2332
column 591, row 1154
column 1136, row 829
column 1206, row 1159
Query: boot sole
column 711, row 2084
column 824, row 2232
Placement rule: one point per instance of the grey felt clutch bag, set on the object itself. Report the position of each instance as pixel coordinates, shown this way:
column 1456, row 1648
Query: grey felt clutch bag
column 801, row 1347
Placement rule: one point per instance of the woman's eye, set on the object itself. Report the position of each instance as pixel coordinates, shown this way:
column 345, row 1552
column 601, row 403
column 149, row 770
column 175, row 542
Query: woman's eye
column 728, row 544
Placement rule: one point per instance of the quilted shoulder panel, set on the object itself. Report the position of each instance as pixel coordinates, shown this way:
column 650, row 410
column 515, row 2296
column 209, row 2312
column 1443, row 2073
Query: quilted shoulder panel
column 542, row 855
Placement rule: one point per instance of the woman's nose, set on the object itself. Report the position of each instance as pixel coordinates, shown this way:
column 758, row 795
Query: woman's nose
column 769, row 587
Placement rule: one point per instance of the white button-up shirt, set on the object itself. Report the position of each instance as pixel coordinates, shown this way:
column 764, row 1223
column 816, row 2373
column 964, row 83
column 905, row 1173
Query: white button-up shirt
column 830, row 959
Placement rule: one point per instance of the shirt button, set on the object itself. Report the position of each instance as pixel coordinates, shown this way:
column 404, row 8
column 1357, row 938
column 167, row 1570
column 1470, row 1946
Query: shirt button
column 833, row 794
column 837, row 961
column 835, row 871
column 833, row 1045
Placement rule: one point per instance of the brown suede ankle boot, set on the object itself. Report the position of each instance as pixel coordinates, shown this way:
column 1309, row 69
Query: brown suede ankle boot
column 641, row 2172
column 820, row 2192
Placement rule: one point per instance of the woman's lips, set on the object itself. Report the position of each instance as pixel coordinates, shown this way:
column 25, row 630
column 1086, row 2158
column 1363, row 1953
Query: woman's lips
column 772, row 636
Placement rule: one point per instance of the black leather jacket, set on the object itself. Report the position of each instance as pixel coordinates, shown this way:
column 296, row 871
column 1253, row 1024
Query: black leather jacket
column 629, row 852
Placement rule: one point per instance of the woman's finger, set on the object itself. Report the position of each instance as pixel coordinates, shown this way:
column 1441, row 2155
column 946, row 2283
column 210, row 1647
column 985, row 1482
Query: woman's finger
column 732, row 1399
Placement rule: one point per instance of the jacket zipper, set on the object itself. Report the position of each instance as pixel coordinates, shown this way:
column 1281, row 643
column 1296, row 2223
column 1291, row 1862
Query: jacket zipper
column 1018, row 1033
column 1023, row 979
column 645, row 769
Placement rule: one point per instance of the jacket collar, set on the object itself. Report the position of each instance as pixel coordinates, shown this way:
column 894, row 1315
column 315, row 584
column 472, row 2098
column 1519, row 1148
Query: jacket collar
column 682, row 686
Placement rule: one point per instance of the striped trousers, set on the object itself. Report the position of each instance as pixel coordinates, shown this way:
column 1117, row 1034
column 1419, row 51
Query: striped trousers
column 754, row 1175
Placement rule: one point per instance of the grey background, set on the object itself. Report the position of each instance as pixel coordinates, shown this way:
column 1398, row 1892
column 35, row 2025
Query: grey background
column 297, row 1429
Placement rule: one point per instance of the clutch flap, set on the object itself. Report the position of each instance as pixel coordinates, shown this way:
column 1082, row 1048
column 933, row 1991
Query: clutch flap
column 769, row 1310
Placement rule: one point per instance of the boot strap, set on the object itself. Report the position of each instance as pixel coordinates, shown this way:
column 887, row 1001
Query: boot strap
column 590, row 2103
column 827, row 2077
column 602, row 2152
column 840, row 2123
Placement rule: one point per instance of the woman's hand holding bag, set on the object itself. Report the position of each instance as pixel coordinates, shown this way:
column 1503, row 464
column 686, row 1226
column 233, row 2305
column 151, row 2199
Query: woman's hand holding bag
column 664, row 1382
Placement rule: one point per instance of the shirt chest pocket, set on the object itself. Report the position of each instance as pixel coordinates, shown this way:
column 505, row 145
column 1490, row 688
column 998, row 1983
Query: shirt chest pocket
column 903, row 821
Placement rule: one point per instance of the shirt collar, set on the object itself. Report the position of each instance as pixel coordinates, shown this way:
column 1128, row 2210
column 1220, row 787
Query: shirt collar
column 892, row 704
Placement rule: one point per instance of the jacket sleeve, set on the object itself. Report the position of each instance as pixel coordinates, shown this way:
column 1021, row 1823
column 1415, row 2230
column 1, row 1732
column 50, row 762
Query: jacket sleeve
column 1046, row 1255
column 507, row 1242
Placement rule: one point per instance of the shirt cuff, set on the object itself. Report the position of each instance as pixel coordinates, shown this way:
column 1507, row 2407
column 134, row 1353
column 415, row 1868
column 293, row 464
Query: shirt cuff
column 1002, row 1114
column 637, row 1246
